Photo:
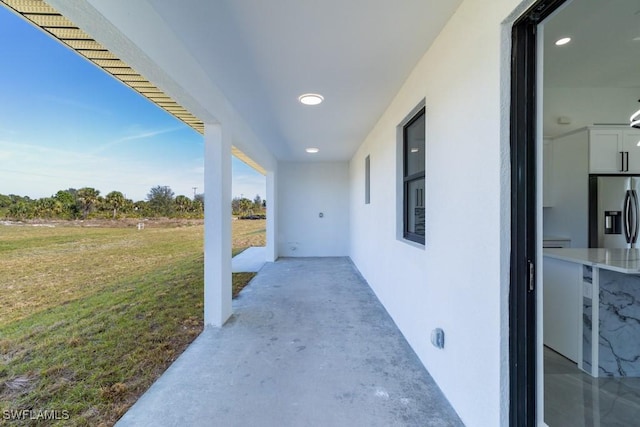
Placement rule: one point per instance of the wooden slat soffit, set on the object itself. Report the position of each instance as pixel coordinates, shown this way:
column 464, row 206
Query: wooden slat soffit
column 51, row 21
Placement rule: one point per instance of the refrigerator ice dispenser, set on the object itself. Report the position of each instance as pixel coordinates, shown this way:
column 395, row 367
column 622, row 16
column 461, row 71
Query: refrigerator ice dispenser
column 612, row 222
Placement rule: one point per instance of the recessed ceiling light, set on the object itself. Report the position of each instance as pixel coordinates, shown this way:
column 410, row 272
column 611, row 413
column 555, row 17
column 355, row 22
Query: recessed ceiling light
column 312, row 150
column 311, row 98
column 563, row 41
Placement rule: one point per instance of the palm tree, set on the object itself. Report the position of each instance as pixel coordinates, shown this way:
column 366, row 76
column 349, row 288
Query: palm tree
column 67, row 199
column 21, row 209
column 197, row 205
column 47, row 207
column 245, row 207
column 115, row 200
column 87, row 198
column 183, row 203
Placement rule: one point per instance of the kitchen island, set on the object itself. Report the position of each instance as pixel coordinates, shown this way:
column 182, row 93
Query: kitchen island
column 592, row 308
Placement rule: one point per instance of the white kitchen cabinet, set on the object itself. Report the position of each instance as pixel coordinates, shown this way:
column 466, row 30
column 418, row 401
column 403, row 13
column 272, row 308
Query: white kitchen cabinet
column 614, row 150
column 562, row 287
column 605, row 146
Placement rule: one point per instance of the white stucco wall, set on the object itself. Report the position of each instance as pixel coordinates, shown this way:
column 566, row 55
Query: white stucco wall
column 304, row 191
column 459, row 280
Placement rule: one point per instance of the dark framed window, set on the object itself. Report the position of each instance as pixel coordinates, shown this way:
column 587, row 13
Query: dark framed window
column 367, row 180
column 413, row 177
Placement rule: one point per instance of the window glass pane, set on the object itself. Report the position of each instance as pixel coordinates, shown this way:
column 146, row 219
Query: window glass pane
column 414, row 146
column 415, row 207
column 367, row 180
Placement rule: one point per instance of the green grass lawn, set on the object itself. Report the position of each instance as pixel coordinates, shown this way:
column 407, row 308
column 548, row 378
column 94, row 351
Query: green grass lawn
column 90, row 317
column 246, row 233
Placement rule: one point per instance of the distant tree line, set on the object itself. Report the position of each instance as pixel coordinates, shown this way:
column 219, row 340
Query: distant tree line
column 251, row 209
column 87, row 203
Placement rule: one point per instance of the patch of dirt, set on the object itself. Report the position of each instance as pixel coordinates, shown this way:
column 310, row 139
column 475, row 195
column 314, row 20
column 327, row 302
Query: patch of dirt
column 17, row 385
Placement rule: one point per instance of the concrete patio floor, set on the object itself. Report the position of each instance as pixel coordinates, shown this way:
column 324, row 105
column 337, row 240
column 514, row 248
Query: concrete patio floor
column 308, row 344
column 250, row 260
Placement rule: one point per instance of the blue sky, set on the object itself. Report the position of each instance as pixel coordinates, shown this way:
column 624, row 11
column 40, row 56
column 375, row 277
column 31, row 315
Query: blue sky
column 65, row 123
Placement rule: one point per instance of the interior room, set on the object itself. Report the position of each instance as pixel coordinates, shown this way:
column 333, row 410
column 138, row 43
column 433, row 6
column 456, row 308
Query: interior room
column 590, row 165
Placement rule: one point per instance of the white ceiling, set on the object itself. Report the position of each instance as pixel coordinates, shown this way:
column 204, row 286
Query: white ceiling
column 595, row 79
column 602, row 52
column 263, row 54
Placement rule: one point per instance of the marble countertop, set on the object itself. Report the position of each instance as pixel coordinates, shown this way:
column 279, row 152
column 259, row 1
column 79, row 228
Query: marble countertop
column 620, row 260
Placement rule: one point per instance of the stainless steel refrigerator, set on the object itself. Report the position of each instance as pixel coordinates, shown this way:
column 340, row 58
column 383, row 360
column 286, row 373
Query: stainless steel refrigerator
column 614, row 219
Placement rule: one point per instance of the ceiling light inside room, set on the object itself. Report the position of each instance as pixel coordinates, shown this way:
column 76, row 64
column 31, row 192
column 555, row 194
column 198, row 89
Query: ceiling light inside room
column 563, row 41
column 310, row 98
column 312, row 150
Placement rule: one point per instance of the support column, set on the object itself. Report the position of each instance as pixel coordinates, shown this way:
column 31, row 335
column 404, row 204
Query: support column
column 272, row 216
column 217, row 225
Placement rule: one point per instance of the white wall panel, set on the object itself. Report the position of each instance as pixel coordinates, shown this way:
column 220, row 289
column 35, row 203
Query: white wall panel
column 306, row 190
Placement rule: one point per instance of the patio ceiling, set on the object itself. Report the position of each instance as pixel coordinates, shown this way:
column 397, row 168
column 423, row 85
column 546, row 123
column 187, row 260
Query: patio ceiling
column 263, row 55
column 247, row 61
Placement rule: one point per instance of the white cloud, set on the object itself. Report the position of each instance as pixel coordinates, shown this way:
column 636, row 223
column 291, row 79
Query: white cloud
column 8, row 131
column 136, row 136
column 68, row 102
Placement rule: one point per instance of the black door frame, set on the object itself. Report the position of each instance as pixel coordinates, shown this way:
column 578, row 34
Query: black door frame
column 522, row 292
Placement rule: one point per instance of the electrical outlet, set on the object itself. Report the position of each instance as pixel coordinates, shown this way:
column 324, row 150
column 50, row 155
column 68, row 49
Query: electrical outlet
column 437, row 338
